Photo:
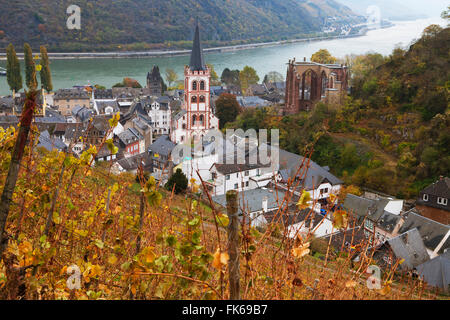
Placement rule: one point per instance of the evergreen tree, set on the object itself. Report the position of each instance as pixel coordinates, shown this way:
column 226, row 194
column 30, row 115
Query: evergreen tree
column 179, row 180
column 30, row 69
column 13, row 75
column 46, row 76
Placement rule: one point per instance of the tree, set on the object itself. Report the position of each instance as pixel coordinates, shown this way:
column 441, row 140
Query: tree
column 446, row 14
column 13, row 75
column 247, row 77
column 179, row 180
column 273, row 76
column 230, row 77
column 323, row 56
column 171, row 76
column 214, row 76
column 30, row 68
column 46, row 76
column 227, row 108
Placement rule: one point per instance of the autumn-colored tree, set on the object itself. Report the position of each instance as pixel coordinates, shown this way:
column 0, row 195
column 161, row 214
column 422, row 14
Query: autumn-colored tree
column 171, row 76
column 227, row 108
column 30, row 68
column 247, row 77
column 46, row 76
column 323, row 56
column 13, row 75
column 214, row 76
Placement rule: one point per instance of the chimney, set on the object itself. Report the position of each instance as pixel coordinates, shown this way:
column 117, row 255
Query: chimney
column 264, row 204
column 304, row 59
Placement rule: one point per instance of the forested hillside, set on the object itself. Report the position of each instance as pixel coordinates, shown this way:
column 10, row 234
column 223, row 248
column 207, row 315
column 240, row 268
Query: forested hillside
column 393, row 133
column 146, row 24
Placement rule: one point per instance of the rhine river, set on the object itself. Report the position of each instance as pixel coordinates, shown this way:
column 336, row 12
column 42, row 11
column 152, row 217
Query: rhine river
column 108, row 71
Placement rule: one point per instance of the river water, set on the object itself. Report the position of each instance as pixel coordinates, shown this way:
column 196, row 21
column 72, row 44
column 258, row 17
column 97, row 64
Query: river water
column 108, row 71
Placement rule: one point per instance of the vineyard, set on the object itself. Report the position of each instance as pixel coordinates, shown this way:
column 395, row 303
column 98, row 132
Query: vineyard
column 77, row 231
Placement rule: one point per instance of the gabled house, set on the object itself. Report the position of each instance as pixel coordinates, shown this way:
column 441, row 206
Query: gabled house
column 160, row 154
column 132, row 142
column 434, row 201
column 254, row 205
column 319, row 182
column 67, row 99
column 408, row 246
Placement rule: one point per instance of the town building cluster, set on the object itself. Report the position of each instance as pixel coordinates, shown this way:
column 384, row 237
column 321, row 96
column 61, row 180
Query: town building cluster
column 153, row 123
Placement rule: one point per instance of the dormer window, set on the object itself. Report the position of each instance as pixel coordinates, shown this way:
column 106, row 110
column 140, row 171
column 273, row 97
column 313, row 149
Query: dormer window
column 442, row 201
column 425, row 197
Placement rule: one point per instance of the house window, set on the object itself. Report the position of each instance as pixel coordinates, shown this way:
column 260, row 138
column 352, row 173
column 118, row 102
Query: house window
column 214, row 175
column 227, row 177
column 202, row 85
column 194, row 99
column 194, row 85
column 202, row 98
column 442, row 201
column 235, row 185
column 246, row 173
column 246, row 184
column 425, row 197
column 257, row 172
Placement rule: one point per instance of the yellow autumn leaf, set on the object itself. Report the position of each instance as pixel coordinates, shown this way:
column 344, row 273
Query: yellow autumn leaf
column 350, row 284
column 386, row 289
column 112, row 259
column 301, row 251
column 304, row 200
column 220, row 259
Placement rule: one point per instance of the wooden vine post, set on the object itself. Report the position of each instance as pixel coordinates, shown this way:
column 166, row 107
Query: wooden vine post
column 233, row 244
column 13, row 172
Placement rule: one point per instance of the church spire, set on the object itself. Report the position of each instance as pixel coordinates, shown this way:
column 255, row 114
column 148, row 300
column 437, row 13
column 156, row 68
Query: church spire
column 197, row 62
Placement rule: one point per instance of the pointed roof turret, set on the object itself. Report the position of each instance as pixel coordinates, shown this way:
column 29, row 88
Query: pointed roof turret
column 197, row 62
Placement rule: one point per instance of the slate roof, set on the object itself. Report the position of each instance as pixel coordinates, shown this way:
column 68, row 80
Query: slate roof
column 388, row 221
column 162, row 146
column 432, row 232
column 197, row 62
column 436, row 272
column 103, row 104
column 132, row 163
column 316, row 174
column 440, row 188
column 130, row 135
column 63, row 94
column 251, row 200
column 103, row 94
column 361, row 207
column 50, row 143
column 224, row 168
column 82, row 113
column 409, row 246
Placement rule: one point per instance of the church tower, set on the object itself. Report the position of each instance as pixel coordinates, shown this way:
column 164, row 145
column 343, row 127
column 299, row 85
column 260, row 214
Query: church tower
column 197, row 117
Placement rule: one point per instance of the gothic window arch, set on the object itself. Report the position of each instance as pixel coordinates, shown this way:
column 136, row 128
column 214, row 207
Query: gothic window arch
column 194, row 99
column 194, row 85
column 194, row 119
column 202, row 98
column 201, row 119
column 202, row 85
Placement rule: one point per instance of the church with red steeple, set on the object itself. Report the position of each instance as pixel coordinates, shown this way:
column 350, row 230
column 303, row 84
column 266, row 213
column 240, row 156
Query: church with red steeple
column 196, row 116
